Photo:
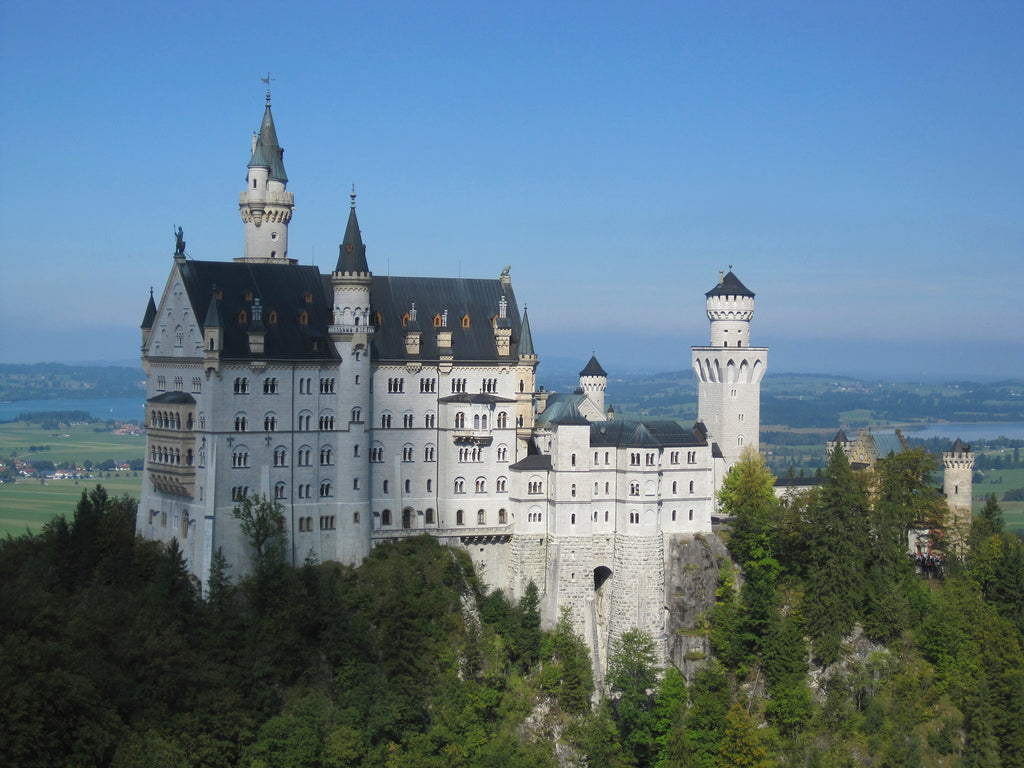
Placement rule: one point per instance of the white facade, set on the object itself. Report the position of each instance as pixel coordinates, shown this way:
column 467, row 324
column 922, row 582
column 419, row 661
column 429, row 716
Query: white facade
column 377, row 408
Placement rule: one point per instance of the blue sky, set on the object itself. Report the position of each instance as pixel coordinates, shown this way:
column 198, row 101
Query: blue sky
column 861, row 165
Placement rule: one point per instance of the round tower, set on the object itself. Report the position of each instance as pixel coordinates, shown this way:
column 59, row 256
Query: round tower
column 594, row 382
column 266, row 206
column 729, row 370
column 957, row 483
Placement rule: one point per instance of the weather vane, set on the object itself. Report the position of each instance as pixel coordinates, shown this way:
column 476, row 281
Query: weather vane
column 267, row 80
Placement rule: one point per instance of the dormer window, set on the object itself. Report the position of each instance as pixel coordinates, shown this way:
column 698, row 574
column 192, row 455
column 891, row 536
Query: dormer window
column 308, row 297
column 243, row 317
column 272, row 317
column 405, row 320
column 437, row 320
column 377, row 319
column 303, row 317
column 465, row 320
column 218, row 294
column 248, row 295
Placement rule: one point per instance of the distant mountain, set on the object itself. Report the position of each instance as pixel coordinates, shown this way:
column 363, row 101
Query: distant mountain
column 57, row 381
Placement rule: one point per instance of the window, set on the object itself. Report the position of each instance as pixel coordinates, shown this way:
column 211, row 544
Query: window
column 327, row 386
column 502, row 516
column 460, row 420
column 161, row 383
column 355, row 450
column 535, row 486
column 179, row 383
column 650, row 459
column 502, row 420
column 460, row 485
column 238, row 493
column 326, row 456
column 407, row 421
column 428, row 453
column 270, row 423
column 458, row 385
column 280, row 457
column 270, row 386
column 607, row 487
column 691, row 514
column 465, row 320
column 572, row 491
column 428, row 385
column 428, row 421
column 357, row 414
column 355, row 518
column 241, row 386
column 634, row 489
column 429, row 516
column 430, row 485
column 408, row 486
column 385, row 517
column 572, row 460
column 502, row 453
column 279, row 491
column 355, row 483
column 407, row 453
column 739, row 440
column 384, row 486
column 385, row 421
column 303, row 456
column 396, row 385
column 691, row 486
column 673, row 486
column 501, row 485
column 460, row 517
column 572, row 519
column 634, row 517
column 376, row 454
column 325, row 489
column 327, row 522
column 481, row 517
column 326, row 423
column 481, row 485
column 691, row 457
column 241, row 424
column 305, row 419
column 197, row 384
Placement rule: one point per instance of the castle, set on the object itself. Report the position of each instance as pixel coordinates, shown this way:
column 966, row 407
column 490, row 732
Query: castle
column 374, row 408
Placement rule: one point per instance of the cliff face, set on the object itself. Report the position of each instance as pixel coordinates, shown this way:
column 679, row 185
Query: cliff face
column 691, row 576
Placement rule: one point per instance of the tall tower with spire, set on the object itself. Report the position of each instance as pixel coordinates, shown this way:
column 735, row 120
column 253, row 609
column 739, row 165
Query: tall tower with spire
column 729, row 370
column 265, row 204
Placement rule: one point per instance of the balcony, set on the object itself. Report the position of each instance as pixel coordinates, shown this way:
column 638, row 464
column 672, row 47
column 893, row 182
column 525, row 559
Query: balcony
column 476, row 436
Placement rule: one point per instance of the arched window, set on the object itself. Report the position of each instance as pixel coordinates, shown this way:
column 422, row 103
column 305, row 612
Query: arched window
column 502, row 420
column 325, row 489
column 385, row 517
column 481, row 517
column 481, row 485
column 691, row 514
column 502, row 516
column 460, row 517
column 501, row 485
column 460, row 420
column 460, row 485
column 279, row 491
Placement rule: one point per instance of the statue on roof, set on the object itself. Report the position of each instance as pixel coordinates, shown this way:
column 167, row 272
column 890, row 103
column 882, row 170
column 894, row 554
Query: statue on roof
column 506, row 270
column 179, row 242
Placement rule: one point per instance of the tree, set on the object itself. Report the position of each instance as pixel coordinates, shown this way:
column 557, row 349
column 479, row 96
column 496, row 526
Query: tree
column 742, row 745
column 568, row 675
column 748, row 496
column 632, row 679
column 992, row 514
column 263, row 524
column 837, row 549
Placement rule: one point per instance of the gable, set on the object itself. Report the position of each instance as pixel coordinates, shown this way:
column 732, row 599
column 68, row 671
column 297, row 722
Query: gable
column 176, row 331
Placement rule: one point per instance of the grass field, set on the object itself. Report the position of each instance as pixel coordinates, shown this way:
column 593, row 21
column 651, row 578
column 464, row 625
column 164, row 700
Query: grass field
column 76, row 443
column 999, row 481
column 30, row 503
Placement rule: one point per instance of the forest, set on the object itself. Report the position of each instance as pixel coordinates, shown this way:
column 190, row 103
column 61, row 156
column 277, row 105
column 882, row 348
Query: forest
column 830, row 647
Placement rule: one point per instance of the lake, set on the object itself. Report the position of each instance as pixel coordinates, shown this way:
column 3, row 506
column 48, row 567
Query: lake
column 969, row 431
column 119, row 408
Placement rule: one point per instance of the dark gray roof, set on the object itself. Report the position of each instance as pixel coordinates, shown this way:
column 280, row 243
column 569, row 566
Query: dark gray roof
column 651, row 434
column 285, row 293
column 150, row 316
column 960, row 447
column 840, row 437
column 593, row 368
column 173, row 398
column 526, row 338
column 562, row 409
column 479, row 398
column 268, row 153
column 730, row 285
column 352, row 252
column 391, row 298
column 539, row 462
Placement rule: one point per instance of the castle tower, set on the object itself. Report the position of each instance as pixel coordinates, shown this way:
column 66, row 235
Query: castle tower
column 957, row 483
column 266, row 206
column 593, row 382
column 526, row 388
column 729, row 370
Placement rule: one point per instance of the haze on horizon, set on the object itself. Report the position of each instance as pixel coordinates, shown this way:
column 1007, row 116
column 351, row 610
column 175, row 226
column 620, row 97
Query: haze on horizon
column 860, row 167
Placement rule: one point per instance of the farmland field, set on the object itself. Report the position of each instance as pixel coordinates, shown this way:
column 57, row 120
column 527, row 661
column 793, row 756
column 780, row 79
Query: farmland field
column 29, row 503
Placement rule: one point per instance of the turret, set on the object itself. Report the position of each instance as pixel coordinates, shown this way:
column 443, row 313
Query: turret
column 266, row 206
column 147, row 321
column 351, row 281
column 213, row 334
column 594, row 382
column 729, row 370
column 957, row 482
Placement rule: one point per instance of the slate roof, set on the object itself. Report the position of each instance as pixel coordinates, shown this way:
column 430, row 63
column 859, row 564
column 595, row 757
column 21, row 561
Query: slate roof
column 526, row 338
column 840, row 437
column 391, row 298
column 593, row 368
column 479, row 398
column 730, row 285
column 150, row 316
column 281, row 289
column 562, row 409
column 173, row 398
column 352, row 252
column 649, row 434
column 960, row 447
column 268, row 153
column 886, row 443
column 536, row 461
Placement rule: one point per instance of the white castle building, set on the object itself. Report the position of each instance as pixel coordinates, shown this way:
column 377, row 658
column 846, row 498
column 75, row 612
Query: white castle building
column 373, row 408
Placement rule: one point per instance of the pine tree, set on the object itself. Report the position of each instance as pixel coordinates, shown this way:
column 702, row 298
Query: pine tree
column 742, row 745
column 837, row 549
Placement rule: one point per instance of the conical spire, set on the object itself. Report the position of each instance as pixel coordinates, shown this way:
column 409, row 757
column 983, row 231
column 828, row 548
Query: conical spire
column 525, row 338
column 150, row 316
column 352, row 252
column 593, row 368
column 268, row 153
column 213, row 312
